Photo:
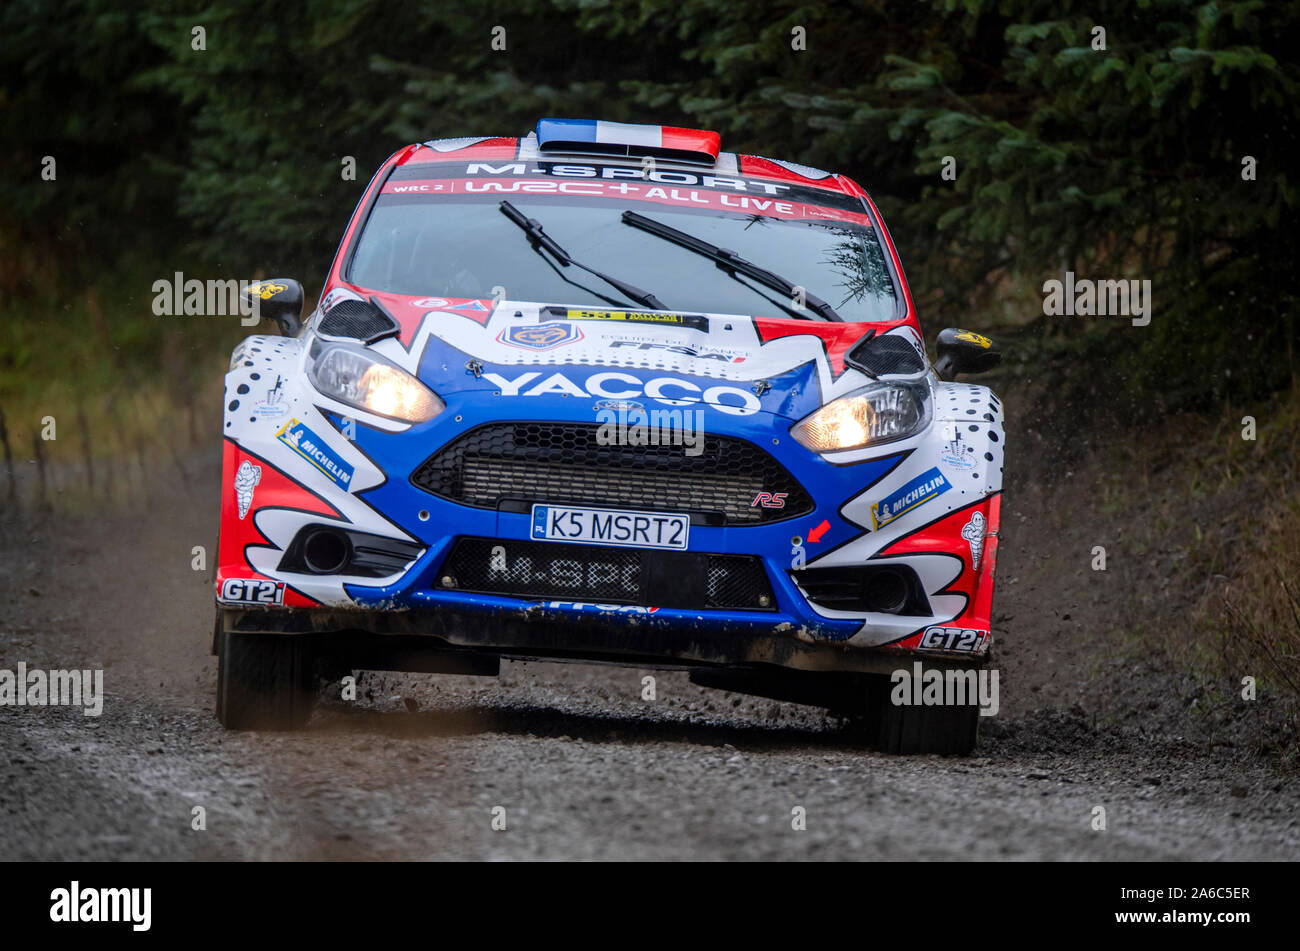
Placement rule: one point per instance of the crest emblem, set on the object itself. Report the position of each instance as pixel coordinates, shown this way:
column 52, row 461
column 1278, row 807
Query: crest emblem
column 547, row 336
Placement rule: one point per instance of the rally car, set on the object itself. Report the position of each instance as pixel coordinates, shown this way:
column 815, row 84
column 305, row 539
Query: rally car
column 607, row 393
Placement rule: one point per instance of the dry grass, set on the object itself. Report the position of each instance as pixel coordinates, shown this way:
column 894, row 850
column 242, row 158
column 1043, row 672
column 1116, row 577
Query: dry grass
column 1203, row 535
column 129, row 392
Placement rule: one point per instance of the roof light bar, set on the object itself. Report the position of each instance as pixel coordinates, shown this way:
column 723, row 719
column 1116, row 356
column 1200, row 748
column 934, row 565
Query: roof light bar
column 595, row 137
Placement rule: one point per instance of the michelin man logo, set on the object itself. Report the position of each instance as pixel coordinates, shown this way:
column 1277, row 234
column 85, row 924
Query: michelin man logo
column 246, row 479
column 974, row 535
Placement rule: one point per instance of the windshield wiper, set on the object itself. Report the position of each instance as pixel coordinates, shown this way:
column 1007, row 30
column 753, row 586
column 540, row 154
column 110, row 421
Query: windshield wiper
column 734, row 264
column 539, row 238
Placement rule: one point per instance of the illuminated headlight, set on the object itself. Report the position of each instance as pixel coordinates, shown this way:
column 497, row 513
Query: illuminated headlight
column 355, row 377
column 878, row 413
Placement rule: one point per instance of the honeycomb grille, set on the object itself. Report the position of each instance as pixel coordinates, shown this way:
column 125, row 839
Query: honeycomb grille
column 564, row 463
column 357, row 319
column 606, row 575
column 890, row 353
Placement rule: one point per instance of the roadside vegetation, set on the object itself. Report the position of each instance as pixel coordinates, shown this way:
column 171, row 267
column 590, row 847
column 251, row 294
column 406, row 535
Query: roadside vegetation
column 94, row 367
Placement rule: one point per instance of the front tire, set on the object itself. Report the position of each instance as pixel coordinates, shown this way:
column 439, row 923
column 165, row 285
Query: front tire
column 911, row 730
column 264, row 681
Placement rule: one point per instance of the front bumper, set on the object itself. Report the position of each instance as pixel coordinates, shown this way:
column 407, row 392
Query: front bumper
column 461, row 638
column 383, row 499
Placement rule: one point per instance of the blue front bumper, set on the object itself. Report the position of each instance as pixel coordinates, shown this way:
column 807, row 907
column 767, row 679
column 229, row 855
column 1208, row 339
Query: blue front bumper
column 438, row 522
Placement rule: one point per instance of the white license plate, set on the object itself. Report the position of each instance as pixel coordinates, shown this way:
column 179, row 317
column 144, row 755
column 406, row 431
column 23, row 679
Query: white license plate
column 559, row 523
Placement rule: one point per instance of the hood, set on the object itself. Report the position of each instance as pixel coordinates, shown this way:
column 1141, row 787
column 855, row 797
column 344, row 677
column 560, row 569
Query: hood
column 736, row 363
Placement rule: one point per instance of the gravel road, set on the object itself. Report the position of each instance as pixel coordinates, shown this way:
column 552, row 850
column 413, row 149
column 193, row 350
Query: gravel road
column 577, row 764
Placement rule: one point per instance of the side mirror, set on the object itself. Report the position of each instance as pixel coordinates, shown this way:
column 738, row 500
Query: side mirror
column 964, row 351
column 279, row 299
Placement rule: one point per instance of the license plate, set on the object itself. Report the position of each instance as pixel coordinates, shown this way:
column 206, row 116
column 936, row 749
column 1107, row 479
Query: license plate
column 558, row 523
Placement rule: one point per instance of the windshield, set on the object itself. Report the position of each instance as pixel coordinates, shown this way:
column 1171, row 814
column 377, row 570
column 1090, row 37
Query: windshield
column 466, row 248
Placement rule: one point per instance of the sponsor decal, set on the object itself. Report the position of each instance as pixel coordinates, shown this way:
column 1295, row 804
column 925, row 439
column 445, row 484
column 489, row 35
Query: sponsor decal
column 246, row 480
column 616, row 385
column 912, row 495
column 468, row 305
column 960, row 639
column 546, row 336
column 769, row 500
column 677, row 348
column 730, row 185
column 662, row 186
column 956, row 451
column 252, row 591
column 267, row 409
column 974, row 535
column 579, row 170
column 267, row 289
column 604, row 608
column 302, row 440
column 979, row 340
column 418, row 189
column 273, row 406
column 694, row 321
column 431, row 302
column 618, row 406
column 334, row 296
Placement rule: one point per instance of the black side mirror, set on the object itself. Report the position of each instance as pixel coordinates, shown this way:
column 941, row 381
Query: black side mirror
column 964, row 351
column 279, row 299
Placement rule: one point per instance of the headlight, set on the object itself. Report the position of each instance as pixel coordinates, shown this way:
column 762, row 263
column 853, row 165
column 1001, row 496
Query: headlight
column 359, row 379
column 878, row 413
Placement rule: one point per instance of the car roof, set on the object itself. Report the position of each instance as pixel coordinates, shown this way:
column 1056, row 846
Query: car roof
column 631, row 151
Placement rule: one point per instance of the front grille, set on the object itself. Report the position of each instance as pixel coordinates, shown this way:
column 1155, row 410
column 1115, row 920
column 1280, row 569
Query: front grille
column 564, row 463
column 606, row 575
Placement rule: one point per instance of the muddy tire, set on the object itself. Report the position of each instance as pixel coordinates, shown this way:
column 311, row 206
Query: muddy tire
column 911, row 730
column 264, row 681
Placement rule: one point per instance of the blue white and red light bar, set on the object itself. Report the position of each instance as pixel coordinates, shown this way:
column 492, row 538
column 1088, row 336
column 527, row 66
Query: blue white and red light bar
column 622, row 138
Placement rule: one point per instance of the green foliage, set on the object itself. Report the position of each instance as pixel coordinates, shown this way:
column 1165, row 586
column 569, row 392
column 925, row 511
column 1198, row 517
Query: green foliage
column 1115, row 163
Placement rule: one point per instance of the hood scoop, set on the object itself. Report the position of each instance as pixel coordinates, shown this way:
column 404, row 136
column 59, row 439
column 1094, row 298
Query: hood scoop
column 887, row 355
column 366, row 321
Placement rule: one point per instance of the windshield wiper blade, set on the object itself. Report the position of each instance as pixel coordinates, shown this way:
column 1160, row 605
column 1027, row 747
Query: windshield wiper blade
column 733, row 263
column 533, row 228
